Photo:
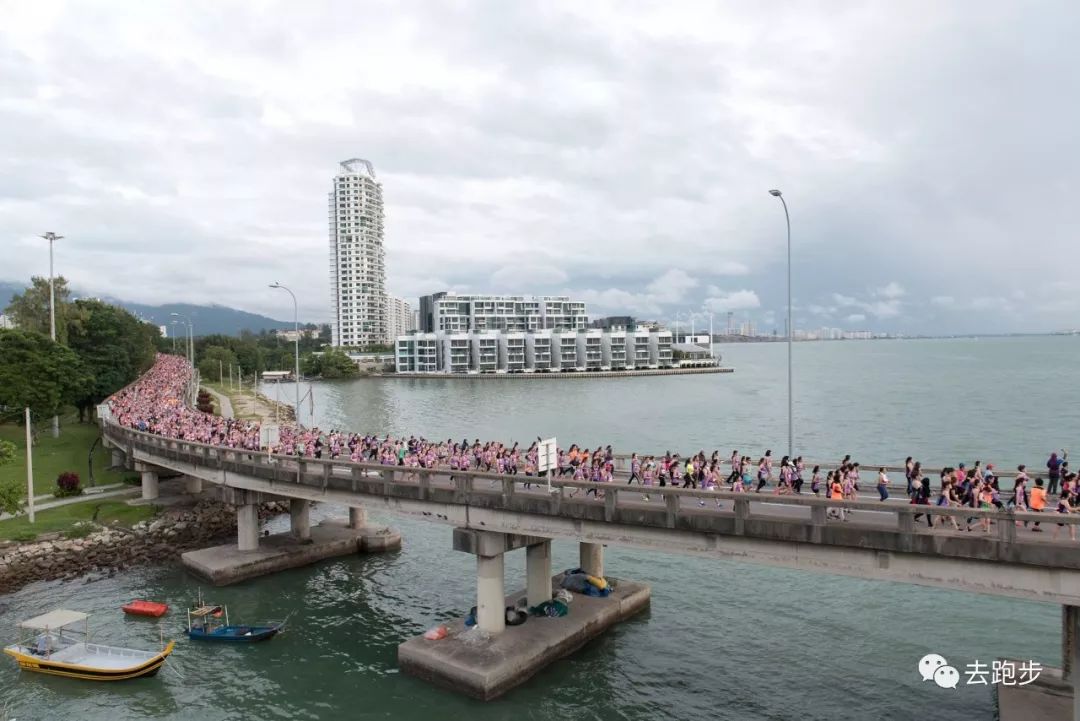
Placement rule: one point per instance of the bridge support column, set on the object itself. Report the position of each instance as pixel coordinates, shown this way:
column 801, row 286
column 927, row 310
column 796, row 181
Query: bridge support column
column 1070, row 654
column 193, row 485
column 149, row 485
column 490, row 594
column 357, row 517
column 538, row 573
column 117, row 458
column 247, row 527
column 591, row 558
column 300, row 518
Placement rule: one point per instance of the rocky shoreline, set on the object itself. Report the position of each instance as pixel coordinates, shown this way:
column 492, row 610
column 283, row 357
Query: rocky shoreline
column 107, row 550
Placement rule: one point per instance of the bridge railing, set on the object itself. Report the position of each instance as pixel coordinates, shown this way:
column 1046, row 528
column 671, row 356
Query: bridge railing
column 777, row 517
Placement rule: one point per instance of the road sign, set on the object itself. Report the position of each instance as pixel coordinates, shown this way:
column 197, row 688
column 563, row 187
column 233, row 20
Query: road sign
column 269, row 436
column 547, row 456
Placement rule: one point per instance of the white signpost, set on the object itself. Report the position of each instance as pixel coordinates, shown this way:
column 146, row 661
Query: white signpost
column 547, row 459
column 269, row 436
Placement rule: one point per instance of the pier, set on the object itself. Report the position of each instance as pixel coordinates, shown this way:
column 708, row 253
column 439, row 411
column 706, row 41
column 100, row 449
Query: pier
column 879, row 541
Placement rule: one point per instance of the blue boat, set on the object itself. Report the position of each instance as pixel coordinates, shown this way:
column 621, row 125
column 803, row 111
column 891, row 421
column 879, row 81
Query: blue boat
column 211, row 623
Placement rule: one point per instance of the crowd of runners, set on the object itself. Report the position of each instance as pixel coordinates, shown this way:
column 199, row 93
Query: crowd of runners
column 155, row 404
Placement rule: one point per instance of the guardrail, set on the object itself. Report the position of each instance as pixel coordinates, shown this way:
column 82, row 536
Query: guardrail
column 762, row 516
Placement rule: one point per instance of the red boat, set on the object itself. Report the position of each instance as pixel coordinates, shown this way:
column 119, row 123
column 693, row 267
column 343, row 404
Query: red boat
column 146, row 608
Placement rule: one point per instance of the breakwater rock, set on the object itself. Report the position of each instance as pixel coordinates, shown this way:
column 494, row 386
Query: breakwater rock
column 104, row 551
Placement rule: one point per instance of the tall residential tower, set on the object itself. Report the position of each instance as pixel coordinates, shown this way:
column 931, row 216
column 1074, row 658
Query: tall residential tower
column 357, row 258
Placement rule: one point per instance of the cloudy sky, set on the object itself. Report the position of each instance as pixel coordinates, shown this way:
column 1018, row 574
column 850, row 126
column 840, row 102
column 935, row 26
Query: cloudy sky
column 617, row 152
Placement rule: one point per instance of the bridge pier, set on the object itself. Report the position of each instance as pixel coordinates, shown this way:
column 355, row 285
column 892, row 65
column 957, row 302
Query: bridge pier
column 300, row 519
column 150, row 486
column 193, row 485
column 117, row 458
column 591, row 558
column 1055, row 694
column 247, row 527
column 501, row 657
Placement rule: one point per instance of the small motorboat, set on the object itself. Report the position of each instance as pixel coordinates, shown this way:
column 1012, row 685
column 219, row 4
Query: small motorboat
column 146, row 608
column 58, row 643
column 211, row 623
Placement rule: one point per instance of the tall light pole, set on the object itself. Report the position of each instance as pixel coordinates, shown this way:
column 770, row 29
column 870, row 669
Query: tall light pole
column 790, row 398
column 296, row 330
column 52, row 238
column 191, row 338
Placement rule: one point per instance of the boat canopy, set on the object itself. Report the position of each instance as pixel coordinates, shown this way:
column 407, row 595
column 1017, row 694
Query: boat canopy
column 204, row 611
column 54, row 620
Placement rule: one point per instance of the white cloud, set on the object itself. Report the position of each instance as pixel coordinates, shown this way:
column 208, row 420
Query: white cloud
column 735, row 300
column 944, row 301
column 844, row 301
column 892, row 290
column 671, row 287
column 856, row 318
column 526, row 277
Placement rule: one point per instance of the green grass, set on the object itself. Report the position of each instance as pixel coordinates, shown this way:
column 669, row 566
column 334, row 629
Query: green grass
column 52, row 456
column 64, row 519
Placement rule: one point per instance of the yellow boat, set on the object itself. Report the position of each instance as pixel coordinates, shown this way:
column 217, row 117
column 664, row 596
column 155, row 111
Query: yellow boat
column 57, row 643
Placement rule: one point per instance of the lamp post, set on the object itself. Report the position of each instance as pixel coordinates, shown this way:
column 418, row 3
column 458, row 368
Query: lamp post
column 52, row 238
column 296, row 330
column 191, row 338
column 790, row 398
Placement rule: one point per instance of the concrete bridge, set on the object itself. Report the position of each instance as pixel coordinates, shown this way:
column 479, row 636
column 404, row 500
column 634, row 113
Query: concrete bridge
column 493, row 514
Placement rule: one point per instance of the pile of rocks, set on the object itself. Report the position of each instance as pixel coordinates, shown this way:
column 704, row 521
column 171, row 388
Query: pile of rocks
column 107, row 550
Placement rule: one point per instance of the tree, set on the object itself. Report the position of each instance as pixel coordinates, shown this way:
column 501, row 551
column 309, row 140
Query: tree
column 329, row 365
column 7, row 452
column 11, row 496
column 114, row 346
column 216, row 360
column 39, row 374
column 30, row 309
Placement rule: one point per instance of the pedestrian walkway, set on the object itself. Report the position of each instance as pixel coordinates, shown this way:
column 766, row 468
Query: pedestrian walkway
column 224, row 404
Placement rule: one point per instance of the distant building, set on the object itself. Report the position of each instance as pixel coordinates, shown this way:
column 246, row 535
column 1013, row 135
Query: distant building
column 163, row 329
column 540, row 351
column 357, row 257
column 452, row 313
column 291, row 336
column 614, row 321
column 400, row 318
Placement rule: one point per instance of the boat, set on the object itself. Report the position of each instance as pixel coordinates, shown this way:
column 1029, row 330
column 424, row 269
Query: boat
column 58, row 643
column 146, row 608
column 211, row 623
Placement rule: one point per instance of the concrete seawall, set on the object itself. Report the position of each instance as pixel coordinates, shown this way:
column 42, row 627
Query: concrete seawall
column 562, row 375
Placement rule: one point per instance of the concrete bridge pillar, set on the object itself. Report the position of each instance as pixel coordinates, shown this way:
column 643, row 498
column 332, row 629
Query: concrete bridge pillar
column 1070, row 654
column 194, row 486
column 117, row 458
column 490, row 594
column 591, row 558
column 538, row 573
column 357, row 517
column 247, row 527
column 149, row 484
column 300, row 518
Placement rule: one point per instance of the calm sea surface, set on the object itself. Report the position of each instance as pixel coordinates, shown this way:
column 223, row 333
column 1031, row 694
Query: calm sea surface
column 722, row 640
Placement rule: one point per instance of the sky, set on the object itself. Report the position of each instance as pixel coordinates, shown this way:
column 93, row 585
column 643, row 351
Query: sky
column 617, row 152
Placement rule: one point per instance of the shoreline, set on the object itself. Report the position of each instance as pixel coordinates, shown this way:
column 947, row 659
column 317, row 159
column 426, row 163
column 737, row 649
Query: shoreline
column 561, row 375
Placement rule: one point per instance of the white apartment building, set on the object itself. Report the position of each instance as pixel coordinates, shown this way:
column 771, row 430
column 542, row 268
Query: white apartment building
column 400, row 318
column 358, row 300
column 543, row 351
column 452, row 313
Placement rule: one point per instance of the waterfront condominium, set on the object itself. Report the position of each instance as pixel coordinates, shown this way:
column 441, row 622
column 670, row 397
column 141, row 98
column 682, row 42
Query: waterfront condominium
column 400, row 318
column 452, row 313
column 358, row 299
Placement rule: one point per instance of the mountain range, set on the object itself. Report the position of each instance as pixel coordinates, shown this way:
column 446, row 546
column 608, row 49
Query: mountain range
column 207, row 319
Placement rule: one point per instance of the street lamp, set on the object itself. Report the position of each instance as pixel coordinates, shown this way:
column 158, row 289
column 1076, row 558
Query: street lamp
column 790, row 398
column 52, row 238
column 296, row 330
column 191, row 338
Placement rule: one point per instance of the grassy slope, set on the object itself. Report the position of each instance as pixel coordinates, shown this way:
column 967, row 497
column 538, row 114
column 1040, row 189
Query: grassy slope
column 62, row 518
column 52, row 456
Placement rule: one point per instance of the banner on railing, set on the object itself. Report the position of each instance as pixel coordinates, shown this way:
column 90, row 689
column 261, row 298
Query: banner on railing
column 547, row 456
column 104, row 412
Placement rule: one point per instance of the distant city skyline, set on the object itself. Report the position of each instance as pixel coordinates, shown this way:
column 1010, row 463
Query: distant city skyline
column 200, row 158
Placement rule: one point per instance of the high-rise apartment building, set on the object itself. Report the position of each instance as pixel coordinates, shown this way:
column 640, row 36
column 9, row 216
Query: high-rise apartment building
column 452, row 313
column 400, row 318
column 358, row 299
